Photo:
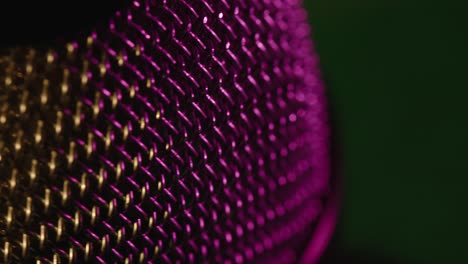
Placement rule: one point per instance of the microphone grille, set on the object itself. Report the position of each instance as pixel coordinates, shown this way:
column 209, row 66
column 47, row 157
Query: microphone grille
column 179, row 132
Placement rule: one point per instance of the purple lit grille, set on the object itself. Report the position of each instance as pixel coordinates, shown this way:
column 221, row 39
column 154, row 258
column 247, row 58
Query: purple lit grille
column 180, row 132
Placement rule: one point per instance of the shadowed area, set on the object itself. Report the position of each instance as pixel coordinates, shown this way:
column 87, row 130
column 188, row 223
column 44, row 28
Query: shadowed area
column 39, row 22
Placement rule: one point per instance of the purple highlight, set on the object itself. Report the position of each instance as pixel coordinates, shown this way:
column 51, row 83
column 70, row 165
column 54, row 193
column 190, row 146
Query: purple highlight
column 192, row 132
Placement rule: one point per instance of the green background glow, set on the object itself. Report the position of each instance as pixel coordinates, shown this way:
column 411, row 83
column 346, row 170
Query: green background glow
column 398, row 82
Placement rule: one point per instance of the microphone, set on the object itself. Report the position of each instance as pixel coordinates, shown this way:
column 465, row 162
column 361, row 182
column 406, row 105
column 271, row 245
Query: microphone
column 164, row 132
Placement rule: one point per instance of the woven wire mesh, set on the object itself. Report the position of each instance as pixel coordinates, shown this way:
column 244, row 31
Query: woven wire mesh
column 179, row 132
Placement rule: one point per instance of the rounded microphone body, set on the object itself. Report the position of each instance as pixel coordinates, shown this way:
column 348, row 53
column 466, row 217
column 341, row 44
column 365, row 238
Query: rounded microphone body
column 176, row 132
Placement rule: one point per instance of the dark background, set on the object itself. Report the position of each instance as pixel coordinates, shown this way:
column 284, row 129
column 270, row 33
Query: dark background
column 398, row 86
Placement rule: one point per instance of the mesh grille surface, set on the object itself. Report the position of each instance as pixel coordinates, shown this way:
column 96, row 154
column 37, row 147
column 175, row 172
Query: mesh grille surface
column 186, row 131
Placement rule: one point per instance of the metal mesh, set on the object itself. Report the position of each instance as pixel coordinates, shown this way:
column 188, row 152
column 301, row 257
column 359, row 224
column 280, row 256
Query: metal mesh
column 179, row 132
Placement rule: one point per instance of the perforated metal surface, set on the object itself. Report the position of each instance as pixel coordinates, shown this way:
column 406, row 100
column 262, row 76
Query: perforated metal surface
column 181, row 132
